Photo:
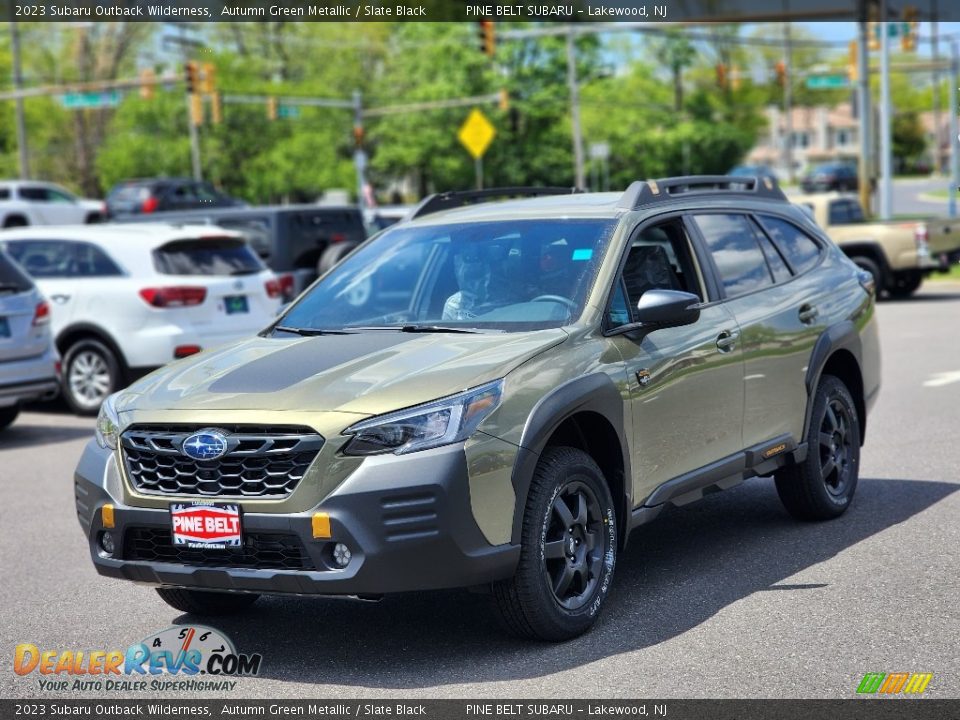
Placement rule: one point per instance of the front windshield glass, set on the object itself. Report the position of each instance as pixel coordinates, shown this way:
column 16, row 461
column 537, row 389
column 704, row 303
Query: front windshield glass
column 507, row 275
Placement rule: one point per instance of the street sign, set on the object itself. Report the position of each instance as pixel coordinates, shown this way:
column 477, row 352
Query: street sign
column 288, row 111
column 82, row 100
column 476, row 134
column 827, row 82
column 599, row 151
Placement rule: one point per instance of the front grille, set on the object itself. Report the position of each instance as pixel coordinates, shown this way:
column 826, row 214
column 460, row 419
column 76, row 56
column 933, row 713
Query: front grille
column 260, row 551
column 259, row 462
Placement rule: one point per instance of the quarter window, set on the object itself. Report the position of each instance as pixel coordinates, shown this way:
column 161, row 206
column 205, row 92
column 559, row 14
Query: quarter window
column 736, row 252
column 799, row 249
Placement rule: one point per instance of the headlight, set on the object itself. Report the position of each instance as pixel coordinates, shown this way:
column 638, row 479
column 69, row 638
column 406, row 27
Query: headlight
column 440, row 422
column 108, row 424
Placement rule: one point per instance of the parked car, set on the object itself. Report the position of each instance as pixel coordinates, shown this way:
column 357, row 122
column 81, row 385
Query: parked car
column 899, row 254
column 26, row 202
column 28, row 359
column 558, row 371
column 297, row 242
column 126, row 299
column 830, row 176
column 157, row 195
column 383, row 216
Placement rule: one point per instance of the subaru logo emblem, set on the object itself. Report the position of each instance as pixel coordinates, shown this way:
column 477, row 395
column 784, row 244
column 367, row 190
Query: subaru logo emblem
column 205, row 445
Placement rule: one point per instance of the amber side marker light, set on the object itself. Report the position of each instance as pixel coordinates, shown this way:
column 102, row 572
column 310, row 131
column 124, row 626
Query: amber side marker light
column 106, row 516
column 321, row 526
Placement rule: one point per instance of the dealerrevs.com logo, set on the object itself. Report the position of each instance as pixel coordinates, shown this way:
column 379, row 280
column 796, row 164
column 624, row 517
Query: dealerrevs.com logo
column 169, row 660
column 894, row 683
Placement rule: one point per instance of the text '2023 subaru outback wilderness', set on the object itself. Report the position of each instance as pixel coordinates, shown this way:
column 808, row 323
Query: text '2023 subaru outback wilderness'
column 493, row 395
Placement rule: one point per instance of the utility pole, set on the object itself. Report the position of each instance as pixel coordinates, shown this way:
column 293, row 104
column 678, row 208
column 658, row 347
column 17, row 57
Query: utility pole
column 935, row 51
column 580, row 179
column 194, row 140
column 866, row 109
column 787, row 103
column 954, row 140
column 359, row 155
column 886, row 146
column 18, row 85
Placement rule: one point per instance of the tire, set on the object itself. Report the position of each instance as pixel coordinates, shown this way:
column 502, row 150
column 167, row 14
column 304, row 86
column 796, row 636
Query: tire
column 91, row 372
column 8, row 415
column 583, row 560
column 93, row 218
column 822, row 486
column 905, row 283
column 333, row 255
column 15, row 221
column 872, row 267
column 203, row 602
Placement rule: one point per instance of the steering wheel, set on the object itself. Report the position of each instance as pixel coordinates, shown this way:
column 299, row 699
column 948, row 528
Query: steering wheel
column 557, row 299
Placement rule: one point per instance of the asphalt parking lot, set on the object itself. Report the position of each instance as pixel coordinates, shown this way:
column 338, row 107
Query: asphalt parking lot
column 728, row 597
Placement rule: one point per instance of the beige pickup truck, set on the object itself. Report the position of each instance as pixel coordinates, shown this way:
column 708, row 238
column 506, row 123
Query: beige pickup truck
column 898, row 253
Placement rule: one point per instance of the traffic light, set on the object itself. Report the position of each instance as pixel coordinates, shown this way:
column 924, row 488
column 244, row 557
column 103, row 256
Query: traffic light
column 736, row 80
column 271, row 108
column 504, row 101
column 781, row 71
column 487, row 33
column 208, row 84
column 191, row 76
column 147, row 79
column 908, row 38
column 873, row 32
column 196, row 109
column 721, row 75
column 216, row 108
column 852, row 62
column 358, row 133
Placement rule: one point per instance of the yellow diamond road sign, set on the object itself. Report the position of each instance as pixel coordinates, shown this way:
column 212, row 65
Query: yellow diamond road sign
column 476, row 133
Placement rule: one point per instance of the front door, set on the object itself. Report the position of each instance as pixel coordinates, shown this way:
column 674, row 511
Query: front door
column 687, row 382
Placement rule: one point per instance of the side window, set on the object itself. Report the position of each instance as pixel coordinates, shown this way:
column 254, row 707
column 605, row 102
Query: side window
column 736, row 252
column 781, row 273
column 799, row 249
column 43, row 258
column 32, row 193
column 4, row 193
column 91, row 261
column 58, row 196
column 659, row 258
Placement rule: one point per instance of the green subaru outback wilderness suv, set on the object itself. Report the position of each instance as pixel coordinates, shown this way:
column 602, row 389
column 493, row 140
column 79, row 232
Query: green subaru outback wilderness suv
column 493, row 395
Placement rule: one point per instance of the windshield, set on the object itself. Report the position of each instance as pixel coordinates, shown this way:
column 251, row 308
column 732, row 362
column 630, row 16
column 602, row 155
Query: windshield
column 508, row 275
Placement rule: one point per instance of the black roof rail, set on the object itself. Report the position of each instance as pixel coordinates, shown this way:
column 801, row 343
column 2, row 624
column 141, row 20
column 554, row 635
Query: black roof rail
column 461, row 198
column 648, row 192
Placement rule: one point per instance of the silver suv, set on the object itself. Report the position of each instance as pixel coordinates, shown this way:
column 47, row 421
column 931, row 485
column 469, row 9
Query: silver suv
column 28, row 359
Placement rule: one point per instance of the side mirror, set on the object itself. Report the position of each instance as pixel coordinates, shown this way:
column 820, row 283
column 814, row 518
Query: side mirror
column 668, row 308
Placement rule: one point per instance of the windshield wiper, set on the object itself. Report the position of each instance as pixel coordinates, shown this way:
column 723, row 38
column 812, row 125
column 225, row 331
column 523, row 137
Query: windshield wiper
column 422, row 329
column 311, row 332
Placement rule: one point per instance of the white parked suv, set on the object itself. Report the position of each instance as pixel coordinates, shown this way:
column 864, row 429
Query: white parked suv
column 25, row 202
column 126, row 299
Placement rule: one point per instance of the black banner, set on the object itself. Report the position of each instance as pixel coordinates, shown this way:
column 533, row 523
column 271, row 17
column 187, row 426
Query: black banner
column 459, row 10
column 859, row 709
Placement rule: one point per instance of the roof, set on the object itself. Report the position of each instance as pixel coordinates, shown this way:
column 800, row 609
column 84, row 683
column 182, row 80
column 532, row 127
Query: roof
column 574, row 205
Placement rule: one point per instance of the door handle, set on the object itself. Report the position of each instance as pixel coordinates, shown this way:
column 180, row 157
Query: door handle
column 60, row 299
column 807, row 314
column 727, row 340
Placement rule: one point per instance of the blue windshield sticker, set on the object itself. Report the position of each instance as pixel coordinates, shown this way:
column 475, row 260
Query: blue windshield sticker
column 583, row 253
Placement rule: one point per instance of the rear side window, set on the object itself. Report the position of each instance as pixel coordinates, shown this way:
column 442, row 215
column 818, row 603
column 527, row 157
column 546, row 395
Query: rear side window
column 206, row 256
column 12, row 278
column 736, row 252
column 33, row 194
column 4, row 193
column 798, row 249
column 43, row 258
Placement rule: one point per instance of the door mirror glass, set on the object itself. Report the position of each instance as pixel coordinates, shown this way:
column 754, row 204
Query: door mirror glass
column 668, row 308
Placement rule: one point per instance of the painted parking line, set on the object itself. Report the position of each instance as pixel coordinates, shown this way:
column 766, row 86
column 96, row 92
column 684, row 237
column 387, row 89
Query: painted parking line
column 941, row 379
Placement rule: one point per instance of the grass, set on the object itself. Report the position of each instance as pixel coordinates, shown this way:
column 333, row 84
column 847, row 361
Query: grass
column 953, row 275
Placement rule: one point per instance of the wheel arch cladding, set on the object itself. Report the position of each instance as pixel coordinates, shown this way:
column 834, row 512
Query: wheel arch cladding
column 83, row 331
column 586, row 413
column 838, row 352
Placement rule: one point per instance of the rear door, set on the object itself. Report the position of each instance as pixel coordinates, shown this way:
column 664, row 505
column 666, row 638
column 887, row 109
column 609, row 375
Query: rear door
column 19, row 337
column 778, row 305
column 52, row 265
column 240, row 295
column 51, row 205
column 686, row 383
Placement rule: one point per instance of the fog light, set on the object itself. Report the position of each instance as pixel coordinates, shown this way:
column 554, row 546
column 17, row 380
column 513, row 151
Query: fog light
column 341, row 555
column 106, row 544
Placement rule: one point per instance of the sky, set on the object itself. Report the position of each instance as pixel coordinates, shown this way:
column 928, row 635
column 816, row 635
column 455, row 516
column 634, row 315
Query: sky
column 847, row 31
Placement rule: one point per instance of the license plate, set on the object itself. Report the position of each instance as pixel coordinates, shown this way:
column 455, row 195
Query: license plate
column 206, row 525
column 234, row 304
column 4, row 328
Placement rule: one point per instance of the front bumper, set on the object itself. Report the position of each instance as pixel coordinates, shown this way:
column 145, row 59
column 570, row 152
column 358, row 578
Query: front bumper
column 406, row 519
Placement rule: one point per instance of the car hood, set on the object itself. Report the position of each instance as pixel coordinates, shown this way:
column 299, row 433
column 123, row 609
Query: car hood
column 365, row 373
